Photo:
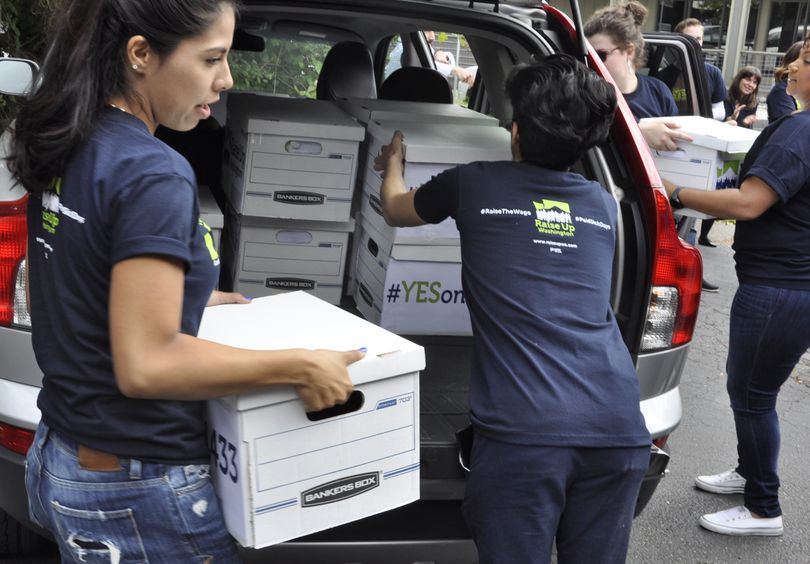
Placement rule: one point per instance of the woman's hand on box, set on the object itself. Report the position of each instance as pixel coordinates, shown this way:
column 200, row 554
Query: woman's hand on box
column 220, row 298
column 662, row 135
column 327, row 380
column 391, row 153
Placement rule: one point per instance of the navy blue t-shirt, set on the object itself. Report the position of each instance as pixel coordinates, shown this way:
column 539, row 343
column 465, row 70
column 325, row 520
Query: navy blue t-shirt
column 537, row 246
column 779, row 102
column 123, row 194
column 774, row 249
column 652, row 98
column 717, row 88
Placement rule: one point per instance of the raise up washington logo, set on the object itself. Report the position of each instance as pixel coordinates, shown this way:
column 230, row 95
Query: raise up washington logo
column 554, row 218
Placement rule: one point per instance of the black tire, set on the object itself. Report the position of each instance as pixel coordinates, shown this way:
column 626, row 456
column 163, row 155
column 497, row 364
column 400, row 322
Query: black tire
column 18, row 540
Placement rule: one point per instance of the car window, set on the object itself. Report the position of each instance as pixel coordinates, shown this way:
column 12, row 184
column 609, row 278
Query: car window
column 287, row 66
column 393, row 56
column 455, row 60
column 667, row 63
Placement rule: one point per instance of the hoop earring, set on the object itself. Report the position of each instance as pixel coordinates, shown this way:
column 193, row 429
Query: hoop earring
column 134, row 67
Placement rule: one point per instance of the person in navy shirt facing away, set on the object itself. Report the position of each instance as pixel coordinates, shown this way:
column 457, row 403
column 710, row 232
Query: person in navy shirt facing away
column 615, row 34
column 779, row 102
column 769, row 324
column 120, row 268
column 560, row 446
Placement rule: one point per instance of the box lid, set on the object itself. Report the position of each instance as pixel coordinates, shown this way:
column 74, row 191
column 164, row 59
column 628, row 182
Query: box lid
column 366, row 110
column 301, row 320
column 296, row 117
column 451, row 143
column 209, row 210
column 713, row 134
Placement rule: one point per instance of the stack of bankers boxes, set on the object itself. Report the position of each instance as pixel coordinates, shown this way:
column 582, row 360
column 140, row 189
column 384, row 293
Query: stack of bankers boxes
column 408, row 280
column 367, row 110
column 289, row 173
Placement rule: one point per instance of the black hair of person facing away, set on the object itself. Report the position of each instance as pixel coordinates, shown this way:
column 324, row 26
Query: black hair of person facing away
column 84, row 70
column 562, row 109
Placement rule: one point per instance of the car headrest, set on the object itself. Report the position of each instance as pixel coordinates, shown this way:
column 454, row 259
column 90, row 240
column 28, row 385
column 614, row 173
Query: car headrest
column 416, row 84
column 347, row 72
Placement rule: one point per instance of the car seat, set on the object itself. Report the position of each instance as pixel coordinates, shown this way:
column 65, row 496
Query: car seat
column 416, row 84
column 347, row 72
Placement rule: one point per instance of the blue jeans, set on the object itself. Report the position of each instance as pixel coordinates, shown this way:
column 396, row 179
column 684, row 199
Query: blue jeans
column 769, row 332
column 144, row 512
column 520, row 497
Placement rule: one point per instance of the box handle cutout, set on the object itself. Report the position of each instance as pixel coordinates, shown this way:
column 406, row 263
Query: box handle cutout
column 365, row 294
column 294, row 237
column 297, row 147
column 376, row 204
column 373, row 248
column 354, row 403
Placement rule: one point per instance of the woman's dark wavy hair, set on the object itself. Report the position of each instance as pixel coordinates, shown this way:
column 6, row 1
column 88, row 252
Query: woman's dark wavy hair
column 735, row 95
column 561, row 108
column 85, row 66
column 780, row 73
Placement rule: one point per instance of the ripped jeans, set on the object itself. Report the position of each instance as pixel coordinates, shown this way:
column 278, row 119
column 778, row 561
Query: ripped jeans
column 144, row 512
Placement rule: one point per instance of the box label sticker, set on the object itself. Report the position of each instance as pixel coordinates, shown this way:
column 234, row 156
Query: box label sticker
column 302, row 198
column 290, row 283
column 341, row 489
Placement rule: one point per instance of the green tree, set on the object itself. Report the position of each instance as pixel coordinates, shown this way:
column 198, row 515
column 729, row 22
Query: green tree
column 286, row 66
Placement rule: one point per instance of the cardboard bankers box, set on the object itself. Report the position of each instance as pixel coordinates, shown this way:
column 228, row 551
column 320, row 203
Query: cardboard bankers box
column 710, row 162
column 278, row 473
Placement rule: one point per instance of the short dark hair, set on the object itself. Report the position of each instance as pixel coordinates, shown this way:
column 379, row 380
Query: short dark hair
column 561, row 108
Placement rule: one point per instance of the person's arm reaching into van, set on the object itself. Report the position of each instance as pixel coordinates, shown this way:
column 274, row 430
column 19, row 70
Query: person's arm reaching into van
column 397, row 200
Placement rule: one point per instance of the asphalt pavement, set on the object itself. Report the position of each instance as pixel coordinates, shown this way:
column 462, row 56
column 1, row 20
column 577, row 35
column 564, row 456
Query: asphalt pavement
column 667, row 532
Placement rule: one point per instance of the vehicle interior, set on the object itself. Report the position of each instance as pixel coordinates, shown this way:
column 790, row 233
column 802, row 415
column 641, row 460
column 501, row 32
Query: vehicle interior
column 362, row 53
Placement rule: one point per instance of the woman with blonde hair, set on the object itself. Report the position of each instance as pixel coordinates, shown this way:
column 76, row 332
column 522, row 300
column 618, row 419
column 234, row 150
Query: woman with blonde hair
column 615, row 34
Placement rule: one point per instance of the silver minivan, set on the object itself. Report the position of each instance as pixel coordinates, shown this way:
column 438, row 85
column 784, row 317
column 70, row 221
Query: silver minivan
column 656, row 282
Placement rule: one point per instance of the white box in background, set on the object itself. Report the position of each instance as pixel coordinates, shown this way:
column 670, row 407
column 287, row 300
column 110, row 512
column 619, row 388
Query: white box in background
column 409, row 289
column 211, row 215
column 366, row 110
column 264, row 257
column 279, row 475
column 431, row 148
column 711, row 161
column 290, row 158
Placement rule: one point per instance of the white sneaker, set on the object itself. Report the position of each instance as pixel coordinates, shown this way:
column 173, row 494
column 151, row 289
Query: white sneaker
column 739, row 521
column 728, row 482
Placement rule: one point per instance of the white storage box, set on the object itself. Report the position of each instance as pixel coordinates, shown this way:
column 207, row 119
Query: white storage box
column 409, row 289
column 443, row 233
column 366, row 110
column 211, row 215
column 431, row 148
column 264, row 257
column 280, row 475
column 290, row 158
column 711, row 161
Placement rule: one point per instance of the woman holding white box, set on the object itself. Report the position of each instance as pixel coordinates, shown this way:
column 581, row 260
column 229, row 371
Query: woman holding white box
column 120, row 270
column 770, row 315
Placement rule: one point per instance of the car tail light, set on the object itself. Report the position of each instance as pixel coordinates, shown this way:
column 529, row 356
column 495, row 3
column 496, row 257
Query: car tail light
column 13, row 240
column 675, row 293
column 15, row 439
